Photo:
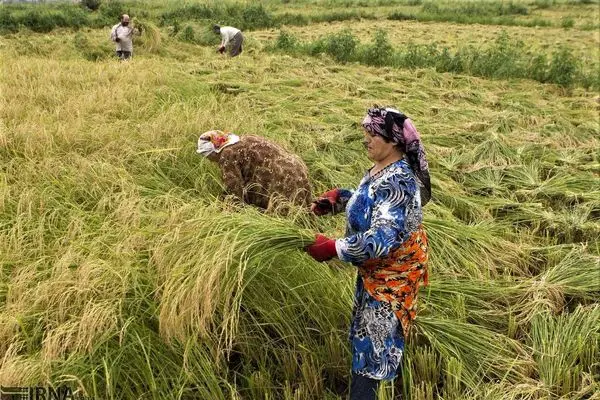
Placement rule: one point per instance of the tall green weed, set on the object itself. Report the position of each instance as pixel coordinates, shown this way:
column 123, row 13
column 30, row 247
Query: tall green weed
column 505, row 59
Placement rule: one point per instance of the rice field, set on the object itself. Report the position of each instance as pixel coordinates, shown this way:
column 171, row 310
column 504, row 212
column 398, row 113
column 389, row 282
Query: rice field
column 125, row 275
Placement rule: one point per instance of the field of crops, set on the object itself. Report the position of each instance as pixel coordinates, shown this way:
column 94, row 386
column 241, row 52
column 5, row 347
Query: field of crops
column 125, row 275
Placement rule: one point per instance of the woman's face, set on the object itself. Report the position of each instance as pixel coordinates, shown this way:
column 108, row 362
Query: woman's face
column 377, row 148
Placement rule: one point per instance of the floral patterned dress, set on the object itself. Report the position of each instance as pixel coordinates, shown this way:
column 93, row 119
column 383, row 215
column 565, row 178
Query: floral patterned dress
column 386, row 241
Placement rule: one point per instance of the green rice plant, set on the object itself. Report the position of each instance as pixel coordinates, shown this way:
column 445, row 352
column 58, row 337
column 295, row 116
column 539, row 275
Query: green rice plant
column 243, row 16
column 485, row 303
column 538, row 68
column 292, row 19
column 257, row 16
column 43, row 19
column 564, row 281
column 477, row 9
column 471, row 250
column 229, row 243
column 422, row 370
column 150, row 35
column 341, row 16
column 500, row 60
column 494, row 150
column 486, row 182
column 89, row 51
column 481, row 353
column 455, row 197
column 555, row 187
column 544, row 4
column 566, row 350
column 378, row 53
column 571, row 275
column 110, row 13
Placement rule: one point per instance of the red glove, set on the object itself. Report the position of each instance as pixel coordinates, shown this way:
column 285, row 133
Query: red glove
column 326, row 202
column 322, row 249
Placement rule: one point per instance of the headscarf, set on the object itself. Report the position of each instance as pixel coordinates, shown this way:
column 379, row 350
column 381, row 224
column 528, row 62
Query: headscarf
column 214, row 141
column 397, row 128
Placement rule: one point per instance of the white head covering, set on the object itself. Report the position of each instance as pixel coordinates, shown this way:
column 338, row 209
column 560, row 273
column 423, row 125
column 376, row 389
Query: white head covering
column 214, row 141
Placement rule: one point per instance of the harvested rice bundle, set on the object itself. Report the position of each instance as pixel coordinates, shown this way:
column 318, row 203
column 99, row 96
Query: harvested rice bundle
column 150, row 35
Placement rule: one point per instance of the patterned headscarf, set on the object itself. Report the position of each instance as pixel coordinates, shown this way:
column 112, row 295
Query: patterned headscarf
column 214, row 141
column 397, row 128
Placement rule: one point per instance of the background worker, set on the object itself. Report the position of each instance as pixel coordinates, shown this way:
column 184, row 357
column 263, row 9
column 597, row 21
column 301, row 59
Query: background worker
column 230, row 37
column 122, row 35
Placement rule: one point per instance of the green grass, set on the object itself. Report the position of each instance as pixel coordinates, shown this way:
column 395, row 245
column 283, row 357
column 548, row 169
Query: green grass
column 505, row 59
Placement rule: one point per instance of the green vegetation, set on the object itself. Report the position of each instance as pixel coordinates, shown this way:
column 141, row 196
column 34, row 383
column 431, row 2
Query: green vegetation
column 266, row 14
column 126, row 275
column 505, row 59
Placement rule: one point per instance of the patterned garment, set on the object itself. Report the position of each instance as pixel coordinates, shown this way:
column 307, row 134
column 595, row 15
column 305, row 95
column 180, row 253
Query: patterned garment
column 386, row 241
column 255, row 170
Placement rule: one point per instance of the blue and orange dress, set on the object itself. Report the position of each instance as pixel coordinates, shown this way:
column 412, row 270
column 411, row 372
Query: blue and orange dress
column 386, row 241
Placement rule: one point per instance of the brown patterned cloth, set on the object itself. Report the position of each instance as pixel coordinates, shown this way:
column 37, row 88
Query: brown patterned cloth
column 256, row 170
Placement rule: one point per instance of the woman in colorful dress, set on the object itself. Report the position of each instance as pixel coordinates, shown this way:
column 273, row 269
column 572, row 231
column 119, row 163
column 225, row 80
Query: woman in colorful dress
column 386, row 241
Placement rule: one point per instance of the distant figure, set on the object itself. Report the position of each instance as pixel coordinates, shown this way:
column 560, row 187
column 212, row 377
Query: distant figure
column 255, row 170
column 122, row 35
column 230, row 37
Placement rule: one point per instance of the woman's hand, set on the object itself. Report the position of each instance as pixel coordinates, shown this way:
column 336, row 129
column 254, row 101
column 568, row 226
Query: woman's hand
column 325, row 204
column 322, row 249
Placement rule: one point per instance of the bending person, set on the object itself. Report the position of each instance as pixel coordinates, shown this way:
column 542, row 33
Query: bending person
column 230, row 37
column 255, row 170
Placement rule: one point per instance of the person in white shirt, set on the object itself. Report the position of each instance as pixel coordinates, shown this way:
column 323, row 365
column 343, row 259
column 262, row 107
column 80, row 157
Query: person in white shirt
column 122, row 35
column 230, row 37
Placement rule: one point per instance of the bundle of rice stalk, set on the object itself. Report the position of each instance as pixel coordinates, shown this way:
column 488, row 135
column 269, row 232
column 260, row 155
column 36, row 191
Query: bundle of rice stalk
column 478, row 251
column 506, row 391
column 566, row 349
column 453, row 196
column 150, row 34
column 484, row 302
column 482, row 352
column 575, row 276
column 493, row 151
column 205, row 264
